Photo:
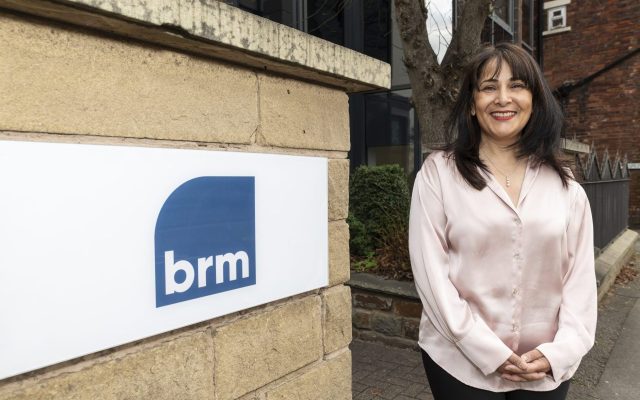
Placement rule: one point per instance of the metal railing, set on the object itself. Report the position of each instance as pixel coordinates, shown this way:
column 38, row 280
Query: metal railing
column 606, row 183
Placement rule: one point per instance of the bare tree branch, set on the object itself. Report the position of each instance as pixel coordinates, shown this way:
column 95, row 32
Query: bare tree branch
column 446, row 39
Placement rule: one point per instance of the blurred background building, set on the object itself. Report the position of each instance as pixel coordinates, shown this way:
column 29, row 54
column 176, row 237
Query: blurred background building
column 588, row 51
column 383, row 123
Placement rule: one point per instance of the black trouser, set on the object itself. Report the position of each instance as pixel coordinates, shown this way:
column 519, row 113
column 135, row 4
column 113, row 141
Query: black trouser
column 446, row 387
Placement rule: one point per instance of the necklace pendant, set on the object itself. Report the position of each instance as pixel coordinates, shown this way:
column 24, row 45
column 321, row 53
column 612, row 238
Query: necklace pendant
column 508, row 181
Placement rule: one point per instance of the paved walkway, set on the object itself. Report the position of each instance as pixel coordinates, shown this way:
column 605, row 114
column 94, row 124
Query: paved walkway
column 621, row 377
column 611, row 371
column 383, row 372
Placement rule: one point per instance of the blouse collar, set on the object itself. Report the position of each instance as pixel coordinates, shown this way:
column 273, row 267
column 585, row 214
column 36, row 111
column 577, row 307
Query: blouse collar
column 530, row 174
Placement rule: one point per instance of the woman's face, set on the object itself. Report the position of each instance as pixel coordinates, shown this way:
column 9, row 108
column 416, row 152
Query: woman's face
column 502, row 105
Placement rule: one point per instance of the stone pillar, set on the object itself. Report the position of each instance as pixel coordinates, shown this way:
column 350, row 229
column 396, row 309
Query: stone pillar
column 191, row 74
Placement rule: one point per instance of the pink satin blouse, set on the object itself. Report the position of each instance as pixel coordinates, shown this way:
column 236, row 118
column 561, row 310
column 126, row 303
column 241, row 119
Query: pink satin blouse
column 496, row 278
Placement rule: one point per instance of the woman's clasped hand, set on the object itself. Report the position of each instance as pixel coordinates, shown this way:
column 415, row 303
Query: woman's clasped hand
column 531, row 366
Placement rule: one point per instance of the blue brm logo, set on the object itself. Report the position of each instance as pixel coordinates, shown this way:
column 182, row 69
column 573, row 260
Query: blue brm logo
column 205, row 239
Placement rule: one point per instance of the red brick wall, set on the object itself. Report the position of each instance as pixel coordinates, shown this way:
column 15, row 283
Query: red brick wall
column 605, row 111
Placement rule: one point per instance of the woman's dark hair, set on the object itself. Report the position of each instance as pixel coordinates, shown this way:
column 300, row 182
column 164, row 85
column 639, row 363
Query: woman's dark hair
column 540, row 138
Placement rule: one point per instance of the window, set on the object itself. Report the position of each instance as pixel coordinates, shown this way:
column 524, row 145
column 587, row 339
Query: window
column 287, row 12
column 321, row 18
column 503, row 14
column 390, row 130
column 325, row 19
column 376, row 15
column 557, row 18
column 499, row 27
column 527, row 24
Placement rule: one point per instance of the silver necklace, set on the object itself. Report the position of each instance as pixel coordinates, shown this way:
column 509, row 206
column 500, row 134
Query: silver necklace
column 507, row 177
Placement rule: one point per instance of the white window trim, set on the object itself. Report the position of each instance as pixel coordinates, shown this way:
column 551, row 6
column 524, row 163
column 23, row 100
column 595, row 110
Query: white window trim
column 559, row 30
column 556, row 3
column 563, row 15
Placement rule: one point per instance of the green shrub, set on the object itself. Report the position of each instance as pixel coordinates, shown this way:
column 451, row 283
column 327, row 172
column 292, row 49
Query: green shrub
column 392, row 256
column 359, row 241
column 379, row 199
column 378, row 220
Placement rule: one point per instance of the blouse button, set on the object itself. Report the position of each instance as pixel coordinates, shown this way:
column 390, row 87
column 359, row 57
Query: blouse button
column 515, row 291
column 515, row 328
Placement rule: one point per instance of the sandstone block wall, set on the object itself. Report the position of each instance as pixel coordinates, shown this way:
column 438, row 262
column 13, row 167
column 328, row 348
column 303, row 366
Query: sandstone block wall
column 65, row 84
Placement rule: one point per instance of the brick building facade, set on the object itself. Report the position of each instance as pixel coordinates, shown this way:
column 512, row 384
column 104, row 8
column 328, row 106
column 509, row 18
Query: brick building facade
column 592, row 58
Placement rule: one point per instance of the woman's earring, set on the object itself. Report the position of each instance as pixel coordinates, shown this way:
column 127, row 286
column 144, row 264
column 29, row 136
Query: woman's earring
column 473, row 113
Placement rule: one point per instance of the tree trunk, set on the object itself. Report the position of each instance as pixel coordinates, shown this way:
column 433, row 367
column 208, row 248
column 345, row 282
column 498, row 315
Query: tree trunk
column 435, row 86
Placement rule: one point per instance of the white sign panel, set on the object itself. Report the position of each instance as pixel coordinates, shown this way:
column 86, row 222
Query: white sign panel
column 104, row 245
column 633, row 166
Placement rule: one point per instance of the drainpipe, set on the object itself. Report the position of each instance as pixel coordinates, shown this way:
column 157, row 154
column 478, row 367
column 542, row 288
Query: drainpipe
column 540, row 30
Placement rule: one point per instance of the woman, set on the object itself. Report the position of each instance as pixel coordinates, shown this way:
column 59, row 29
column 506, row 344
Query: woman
column 501, row 244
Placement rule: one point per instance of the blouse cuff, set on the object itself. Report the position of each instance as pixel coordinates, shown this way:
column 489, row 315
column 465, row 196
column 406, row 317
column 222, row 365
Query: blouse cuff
column 485, row 350
column 559, row 367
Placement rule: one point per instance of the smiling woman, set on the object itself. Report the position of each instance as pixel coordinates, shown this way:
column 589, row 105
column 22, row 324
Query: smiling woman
column 478, row 138
column 502, row 105
column 501, row 242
